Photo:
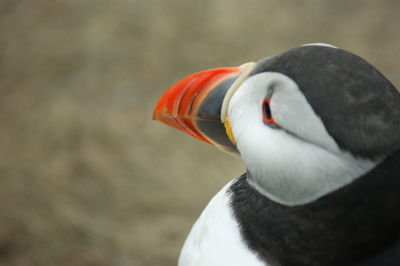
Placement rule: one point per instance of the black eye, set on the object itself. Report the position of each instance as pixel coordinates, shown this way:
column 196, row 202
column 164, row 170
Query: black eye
column 267, row 110
column 267, row 114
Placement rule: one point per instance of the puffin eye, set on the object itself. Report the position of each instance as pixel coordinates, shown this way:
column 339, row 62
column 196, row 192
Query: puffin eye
column 267, row 114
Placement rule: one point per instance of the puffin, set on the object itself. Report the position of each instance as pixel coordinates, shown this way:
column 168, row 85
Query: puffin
column 318, row 130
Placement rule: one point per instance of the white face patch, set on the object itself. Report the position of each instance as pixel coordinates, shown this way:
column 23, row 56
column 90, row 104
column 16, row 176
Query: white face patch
column 300, row 161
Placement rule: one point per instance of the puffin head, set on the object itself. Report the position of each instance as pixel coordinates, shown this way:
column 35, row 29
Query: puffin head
column 305, row 122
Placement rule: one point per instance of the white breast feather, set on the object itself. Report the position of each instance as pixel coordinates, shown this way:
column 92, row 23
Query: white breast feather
column 215, row 238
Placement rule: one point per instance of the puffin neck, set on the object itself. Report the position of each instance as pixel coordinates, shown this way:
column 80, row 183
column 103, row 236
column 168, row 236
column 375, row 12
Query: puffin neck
column 339, row 228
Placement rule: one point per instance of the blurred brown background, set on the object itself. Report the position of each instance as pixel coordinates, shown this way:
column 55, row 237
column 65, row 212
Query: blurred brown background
column 86, row 177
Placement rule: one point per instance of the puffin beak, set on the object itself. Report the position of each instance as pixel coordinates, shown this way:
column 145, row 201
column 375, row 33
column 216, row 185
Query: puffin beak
column 198, row 104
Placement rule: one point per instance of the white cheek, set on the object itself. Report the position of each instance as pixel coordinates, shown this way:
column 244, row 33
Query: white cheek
column 292, row 111
column 299, row 162
column 291, row 171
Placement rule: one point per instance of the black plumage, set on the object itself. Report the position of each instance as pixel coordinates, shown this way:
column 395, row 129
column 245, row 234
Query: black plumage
column 359, row 107
column 345, row 227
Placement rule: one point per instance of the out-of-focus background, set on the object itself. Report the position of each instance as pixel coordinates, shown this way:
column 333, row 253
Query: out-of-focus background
column 86, row 176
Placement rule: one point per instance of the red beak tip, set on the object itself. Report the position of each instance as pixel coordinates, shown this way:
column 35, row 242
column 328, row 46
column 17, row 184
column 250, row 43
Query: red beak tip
column 178, row 105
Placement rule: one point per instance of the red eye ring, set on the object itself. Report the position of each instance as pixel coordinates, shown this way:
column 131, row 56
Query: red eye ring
column 267, row 114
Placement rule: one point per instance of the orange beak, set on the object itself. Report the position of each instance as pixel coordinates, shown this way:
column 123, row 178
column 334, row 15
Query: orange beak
column 193, row 105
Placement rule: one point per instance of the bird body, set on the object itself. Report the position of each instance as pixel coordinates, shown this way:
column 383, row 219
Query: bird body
column 317, row 128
